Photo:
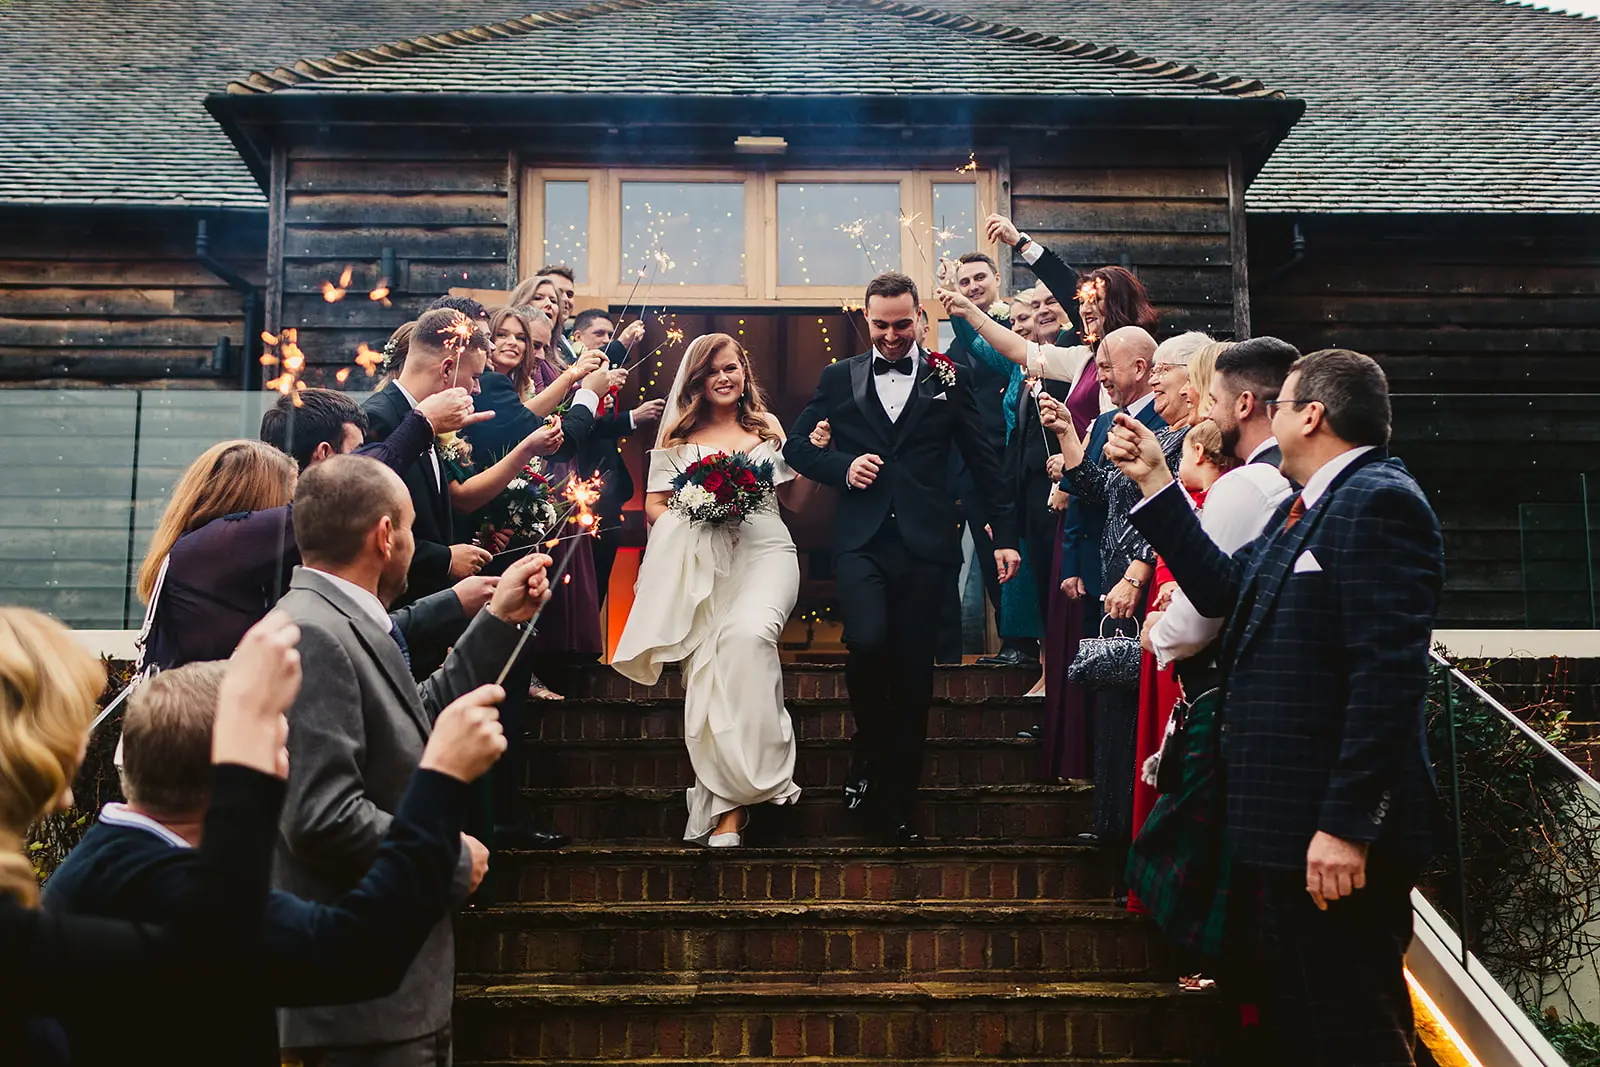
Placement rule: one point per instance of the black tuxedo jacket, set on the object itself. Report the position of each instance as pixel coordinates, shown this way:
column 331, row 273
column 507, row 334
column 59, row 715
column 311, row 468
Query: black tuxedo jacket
column 914, row 482
column 1324, row 663
column 1031, row 446
column 434, row 529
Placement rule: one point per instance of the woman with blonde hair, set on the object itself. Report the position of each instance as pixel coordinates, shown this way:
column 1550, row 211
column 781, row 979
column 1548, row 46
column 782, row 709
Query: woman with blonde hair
column 1202, row 369
column 715, row 597
column 48, row 687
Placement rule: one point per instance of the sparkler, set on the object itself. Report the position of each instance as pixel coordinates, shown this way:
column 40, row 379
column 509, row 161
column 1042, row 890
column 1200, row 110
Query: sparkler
column 582, row 495
column 290, row 360
column 674, row 337
column 334, row 293
column 909, row 222
column 858, row 230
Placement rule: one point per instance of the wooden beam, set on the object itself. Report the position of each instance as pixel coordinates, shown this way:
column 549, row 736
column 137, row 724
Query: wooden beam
column 276, row 202
column 513, row 218
column 1238, row 247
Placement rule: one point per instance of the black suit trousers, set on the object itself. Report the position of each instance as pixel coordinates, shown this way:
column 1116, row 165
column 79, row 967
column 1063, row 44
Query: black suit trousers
column 1335, row 979
column 1114, row 714
column 891, row 600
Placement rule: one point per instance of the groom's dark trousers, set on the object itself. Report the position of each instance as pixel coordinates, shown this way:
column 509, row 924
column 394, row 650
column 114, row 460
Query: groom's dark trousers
column 896, row 548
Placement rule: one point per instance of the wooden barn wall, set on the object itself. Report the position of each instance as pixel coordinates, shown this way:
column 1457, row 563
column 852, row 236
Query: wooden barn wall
column 1168, row 223
column 1489, row 331
column 106, row 294
column 446, row 215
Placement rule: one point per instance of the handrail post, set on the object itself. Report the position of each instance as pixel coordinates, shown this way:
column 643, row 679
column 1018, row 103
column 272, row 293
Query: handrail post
column 1455, row 806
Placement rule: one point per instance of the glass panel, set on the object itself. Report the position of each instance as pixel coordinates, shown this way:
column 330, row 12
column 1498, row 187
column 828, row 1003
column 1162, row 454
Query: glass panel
column 566, row 226
column 683, row 233
column 837, row 233
column 955, row 218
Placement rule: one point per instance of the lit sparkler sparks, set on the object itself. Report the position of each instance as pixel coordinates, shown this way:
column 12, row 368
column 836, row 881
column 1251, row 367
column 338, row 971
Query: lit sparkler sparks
column 909, row 222
column 858, row 230
column 970, row 166
column 289, row 359
column 368, row 358
column 334, row 293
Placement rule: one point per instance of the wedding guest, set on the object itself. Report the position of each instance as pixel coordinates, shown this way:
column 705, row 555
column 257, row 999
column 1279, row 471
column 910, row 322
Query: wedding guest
column 541, row 294
column 49, row 685
column 566, row 283
column 520, row 349
column 140, row 861
column 358, row 729
column 1329, row 793
column 1202, row 369
column 395, row 350
column 468, row 306
column 1124, row 561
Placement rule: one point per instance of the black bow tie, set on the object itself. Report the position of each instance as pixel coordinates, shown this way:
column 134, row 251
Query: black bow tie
column 884, row 366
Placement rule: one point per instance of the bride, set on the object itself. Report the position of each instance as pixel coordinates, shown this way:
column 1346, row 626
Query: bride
column 715, row 598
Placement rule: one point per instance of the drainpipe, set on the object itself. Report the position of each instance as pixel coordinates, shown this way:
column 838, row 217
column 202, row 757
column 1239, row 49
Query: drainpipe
column 254, row 310
column 1298, row 255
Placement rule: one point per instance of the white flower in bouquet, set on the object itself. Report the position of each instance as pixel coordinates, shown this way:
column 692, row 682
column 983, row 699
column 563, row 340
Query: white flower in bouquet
column 694, row 497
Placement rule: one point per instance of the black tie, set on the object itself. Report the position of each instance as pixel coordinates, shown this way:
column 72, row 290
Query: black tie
column 884, row 366
column 400, row 639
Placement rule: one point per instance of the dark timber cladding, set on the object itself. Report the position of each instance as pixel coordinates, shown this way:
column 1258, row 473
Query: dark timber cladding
column 443, row 210
column 103, row 293
column 1487, row 328
column 1166, row 221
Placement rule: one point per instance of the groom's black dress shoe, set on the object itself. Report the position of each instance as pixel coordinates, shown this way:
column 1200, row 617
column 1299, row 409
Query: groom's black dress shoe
column 1009, row 657
column 529, row 838
column 902, row 835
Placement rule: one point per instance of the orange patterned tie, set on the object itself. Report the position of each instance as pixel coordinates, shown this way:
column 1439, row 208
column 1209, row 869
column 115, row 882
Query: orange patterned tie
column 1297, row 511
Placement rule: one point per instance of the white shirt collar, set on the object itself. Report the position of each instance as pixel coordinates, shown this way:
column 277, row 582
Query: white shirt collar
column 368, row 602
column 1143, row 402
column 1271, row 442
column 405, row 393
column 1318, row 483
column 122, row 815
column 915, row 354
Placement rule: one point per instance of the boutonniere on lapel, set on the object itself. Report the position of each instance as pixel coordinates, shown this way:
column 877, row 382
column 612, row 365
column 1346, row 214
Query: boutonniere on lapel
column 455, row 453
column 942, row 367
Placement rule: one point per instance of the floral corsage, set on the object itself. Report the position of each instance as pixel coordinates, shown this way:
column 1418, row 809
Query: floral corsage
column 455, row 454
column 942, row 367
column 721, row 490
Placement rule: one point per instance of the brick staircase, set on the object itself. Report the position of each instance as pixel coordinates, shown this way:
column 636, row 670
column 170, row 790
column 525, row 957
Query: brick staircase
column 812, row 944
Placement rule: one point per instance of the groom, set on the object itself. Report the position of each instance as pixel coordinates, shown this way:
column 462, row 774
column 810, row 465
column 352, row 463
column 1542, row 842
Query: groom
column 894, row 413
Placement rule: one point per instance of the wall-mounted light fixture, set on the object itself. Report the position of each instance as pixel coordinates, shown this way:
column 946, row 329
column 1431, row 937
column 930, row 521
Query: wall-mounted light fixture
column 388, row 269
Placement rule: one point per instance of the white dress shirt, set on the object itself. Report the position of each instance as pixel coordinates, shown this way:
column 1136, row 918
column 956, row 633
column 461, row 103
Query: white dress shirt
column 1139, row 405
column 365, row 599
column 122, row 815
column 1237, row 508
column 1318, row 483
column 894, row 388
column 433, row 451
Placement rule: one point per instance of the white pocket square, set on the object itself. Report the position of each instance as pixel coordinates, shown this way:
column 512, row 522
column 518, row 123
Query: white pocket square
column 938, row 396
column 1307, row 564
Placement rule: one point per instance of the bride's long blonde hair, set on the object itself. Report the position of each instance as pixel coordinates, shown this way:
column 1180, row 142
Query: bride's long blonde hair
column 690, row 401
column 49, row 685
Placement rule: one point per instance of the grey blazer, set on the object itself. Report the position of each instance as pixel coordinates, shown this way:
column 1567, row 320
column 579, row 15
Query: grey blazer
column 356, row 734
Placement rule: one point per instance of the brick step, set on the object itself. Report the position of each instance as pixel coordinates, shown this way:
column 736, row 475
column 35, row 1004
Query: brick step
column 802, row 681
column 986, row 814
column 939, row 1022
column 905, row 941
column 830, row 718
column 833, row 1061
column 593, row 872
column 821, row 763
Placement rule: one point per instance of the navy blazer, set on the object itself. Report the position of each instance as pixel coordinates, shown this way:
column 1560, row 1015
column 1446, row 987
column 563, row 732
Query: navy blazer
column 1324, row 663
column 1085, row 522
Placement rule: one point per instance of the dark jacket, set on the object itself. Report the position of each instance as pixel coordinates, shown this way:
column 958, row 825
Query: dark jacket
column 1083, row 533
column 914, row 482
column 1324, row 663
column 354, row 948
column 434, row 528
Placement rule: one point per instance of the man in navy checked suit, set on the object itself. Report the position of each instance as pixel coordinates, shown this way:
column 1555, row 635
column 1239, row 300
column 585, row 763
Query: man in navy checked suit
column 1324, row 660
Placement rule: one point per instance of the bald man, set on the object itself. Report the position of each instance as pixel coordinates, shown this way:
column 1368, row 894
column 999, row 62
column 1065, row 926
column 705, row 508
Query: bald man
column 1105, row 564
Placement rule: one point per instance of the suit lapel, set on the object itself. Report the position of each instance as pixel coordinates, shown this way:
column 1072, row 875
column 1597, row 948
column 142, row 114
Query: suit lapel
column 866, row 397
column 923, row 391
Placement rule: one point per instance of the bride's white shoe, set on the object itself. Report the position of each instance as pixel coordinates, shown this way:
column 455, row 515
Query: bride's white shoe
column 731, row 839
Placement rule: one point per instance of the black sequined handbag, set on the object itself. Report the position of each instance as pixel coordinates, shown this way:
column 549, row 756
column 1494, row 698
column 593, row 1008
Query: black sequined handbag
column 1107, row 662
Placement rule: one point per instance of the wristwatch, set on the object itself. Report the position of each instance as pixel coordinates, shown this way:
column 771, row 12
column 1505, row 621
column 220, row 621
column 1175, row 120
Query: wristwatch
column 1136, row 583
column 1023, row 240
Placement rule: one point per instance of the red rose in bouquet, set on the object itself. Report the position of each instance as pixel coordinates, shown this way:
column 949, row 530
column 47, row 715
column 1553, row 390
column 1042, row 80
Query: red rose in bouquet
column 747, row 479
column 715, row 483
column 722, row 489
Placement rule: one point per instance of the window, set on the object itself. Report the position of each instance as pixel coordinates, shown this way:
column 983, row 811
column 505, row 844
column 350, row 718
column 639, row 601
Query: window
column 748, row 238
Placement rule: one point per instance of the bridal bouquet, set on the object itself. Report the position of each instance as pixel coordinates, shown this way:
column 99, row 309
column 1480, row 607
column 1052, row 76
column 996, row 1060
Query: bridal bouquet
column 525, row 508
column 721, row 490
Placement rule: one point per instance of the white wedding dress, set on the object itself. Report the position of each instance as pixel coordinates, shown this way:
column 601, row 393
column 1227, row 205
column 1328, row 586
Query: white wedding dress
column 715, row 598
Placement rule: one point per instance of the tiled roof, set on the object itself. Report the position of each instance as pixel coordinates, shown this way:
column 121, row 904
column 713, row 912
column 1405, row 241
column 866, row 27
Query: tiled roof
column 1443, row 105
column 749, row 48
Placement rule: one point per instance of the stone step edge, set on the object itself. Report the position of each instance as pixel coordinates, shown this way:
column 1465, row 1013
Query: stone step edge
column 928, row 794
column 832, row 1061
column 940, row 852
column 653, row 703
column 690, row 913
column 768, row 997
column 841, row 743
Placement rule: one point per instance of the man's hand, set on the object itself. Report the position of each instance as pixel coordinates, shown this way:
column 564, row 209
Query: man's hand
column 467, row 560
column 1055, row 467
column 1144, row 635
column 1058, row 500
column 944, row 276
column 474, row 593
column 822, row 434
column 480, row 861
column 524, row 586
column 648, row 412
column 262, row 680
column 631, row 334
column 545, row 441
column 1073, row 588
column 956, row 304
column 1335, row 868
column 1054, row 416
column 1122, row 600
column 863, row 471
column 1006, row 561
column 597, row 382
column 467, row 737
column 1132, row 446
column 616, row 378
column 451, row 410
column 999, row 228
column 586, row 364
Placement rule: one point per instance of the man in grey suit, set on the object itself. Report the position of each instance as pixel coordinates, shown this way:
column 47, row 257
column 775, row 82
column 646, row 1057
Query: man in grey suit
column 357, row 731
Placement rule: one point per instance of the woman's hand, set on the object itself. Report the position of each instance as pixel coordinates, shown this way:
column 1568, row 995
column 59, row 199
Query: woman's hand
column 1123, row 599
column 1164, row 596
column 1053, row 416
column 1058, row 500
column 545, row 441
column 1055, row 466
column 586, row 365
column 956, row 304
column 822, row 434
